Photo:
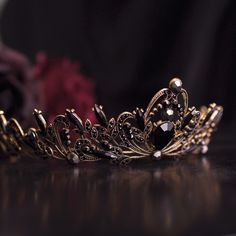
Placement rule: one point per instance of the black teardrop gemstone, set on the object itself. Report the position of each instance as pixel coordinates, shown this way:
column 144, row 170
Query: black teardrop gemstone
column 163, row 134
column 105, row 154
column 140, row 118
column 75, row 119
column 100, row 115
column 42, row 124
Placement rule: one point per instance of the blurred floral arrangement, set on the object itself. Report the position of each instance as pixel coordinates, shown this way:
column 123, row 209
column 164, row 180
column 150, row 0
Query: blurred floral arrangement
column 51, row 85
column 64, row 86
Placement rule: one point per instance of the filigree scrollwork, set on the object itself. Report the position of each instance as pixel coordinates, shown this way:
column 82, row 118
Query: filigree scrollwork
column 167, row 128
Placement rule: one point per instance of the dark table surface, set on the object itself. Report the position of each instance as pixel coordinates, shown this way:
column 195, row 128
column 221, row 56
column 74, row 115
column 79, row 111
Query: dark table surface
column 194, row 196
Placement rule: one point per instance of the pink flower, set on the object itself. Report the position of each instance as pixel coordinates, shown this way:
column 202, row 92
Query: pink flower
column 64, row 87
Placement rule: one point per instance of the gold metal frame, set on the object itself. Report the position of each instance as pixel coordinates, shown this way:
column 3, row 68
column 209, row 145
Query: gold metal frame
column 168, row 128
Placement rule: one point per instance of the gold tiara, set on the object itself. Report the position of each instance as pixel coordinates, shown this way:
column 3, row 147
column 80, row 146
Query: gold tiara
column 167, row 128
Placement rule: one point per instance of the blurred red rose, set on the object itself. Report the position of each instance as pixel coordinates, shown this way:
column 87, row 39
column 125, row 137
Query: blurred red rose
column 64, row 87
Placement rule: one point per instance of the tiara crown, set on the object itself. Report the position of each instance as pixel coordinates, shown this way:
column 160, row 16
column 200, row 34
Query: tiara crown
column 167, row 128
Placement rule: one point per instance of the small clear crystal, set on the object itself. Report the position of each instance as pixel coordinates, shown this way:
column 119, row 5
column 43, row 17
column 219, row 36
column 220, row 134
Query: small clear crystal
column 157, row 155
column 204, row 149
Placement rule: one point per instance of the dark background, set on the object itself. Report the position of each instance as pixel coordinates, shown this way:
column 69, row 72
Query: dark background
column 133, row 48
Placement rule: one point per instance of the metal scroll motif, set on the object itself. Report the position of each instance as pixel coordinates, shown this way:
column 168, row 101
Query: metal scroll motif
column 168, row 128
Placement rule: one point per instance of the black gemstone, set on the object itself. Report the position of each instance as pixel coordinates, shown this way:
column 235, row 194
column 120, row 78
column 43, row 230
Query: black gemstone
column 75, row 119
column 32, row 135
column 106, row 144
column 128, row 131
column 105, row 154
column 140, row 118
column 42, row 124
column 72, row 158
column 100, row 115
column 65, row 136
column 31, row 138
column 88, row 124
column 110, row 155
column 187, row 119
column 181, row 101
column 163, row 134
column 85, row 149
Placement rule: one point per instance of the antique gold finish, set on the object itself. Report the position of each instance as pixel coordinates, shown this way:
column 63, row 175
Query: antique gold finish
column 167, row 128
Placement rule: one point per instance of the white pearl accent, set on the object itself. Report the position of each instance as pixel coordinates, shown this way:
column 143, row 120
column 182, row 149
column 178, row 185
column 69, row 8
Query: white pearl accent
column 157, row 154
column 175, row 85
column 204, row 149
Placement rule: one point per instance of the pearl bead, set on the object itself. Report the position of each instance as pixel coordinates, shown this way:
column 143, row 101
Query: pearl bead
column 72, row 158
column 175, row 85
column 157, row 155
column 204, row 149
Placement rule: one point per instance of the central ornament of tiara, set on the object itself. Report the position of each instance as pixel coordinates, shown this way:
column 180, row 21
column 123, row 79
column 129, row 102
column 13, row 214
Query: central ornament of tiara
column 167, row 128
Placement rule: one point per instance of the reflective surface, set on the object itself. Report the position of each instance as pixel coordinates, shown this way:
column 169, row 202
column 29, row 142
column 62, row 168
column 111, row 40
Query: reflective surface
column 195, row 196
